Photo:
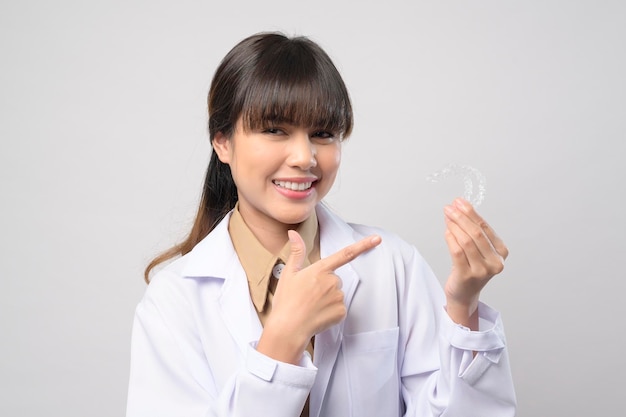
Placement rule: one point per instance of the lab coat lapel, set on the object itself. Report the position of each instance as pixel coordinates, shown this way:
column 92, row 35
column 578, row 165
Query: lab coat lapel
column 235, row 309
column 235, row 305
column 334, row 235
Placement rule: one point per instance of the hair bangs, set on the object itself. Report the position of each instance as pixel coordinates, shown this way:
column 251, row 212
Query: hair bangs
column 297, row 91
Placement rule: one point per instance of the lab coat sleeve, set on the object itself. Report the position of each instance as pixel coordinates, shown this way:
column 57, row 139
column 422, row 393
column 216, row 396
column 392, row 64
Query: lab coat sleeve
column 170, row 375
column 440, row 375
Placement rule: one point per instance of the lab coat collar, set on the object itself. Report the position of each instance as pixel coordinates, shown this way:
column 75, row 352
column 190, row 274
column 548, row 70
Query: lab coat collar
column 214, row 256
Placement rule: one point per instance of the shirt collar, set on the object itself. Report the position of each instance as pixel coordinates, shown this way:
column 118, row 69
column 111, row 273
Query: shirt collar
column 257, row 262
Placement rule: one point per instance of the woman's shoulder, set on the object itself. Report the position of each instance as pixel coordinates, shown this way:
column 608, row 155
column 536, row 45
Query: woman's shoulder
column 168, row 279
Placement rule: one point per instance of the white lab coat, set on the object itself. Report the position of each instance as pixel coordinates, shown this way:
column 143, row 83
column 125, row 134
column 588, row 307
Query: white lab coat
column 397, row 353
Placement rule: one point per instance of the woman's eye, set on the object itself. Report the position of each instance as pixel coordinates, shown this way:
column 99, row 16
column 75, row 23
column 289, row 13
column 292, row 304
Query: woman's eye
column 273, row 131
column 323, row 136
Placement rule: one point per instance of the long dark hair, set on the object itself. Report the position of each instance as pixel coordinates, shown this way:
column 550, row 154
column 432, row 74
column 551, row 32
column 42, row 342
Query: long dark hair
column 266, row 77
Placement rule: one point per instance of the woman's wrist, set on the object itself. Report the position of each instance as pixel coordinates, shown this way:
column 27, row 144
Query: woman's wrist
column 465, row 314
column 282, row 346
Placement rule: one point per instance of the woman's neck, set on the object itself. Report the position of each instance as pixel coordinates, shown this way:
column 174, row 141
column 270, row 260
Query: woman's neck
column 269, row 232
column 272, row 239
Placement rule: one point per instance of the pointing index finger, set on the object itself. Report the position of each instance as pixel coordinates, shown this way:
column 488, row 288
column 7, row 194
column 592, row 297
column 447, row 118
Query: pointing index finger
column 349, row 253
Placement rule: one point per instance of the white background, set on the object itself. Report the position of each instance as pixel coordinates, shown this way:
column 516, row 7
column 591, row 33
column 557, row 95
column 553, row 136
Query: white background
column 104, row 147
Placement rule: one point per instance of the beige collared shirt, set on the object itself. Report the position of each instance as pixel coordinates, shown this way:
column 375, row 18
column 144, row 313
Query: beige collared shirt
column 258, row 262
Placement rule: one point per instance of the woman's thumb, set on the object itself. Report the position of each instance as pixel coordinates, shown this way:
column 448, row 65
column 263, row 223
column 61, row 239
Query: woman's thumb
column 297, row 251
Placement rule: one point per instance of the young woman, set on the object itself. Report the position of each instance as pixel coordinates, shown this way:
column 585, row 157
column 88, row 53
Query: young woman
column 277, row 307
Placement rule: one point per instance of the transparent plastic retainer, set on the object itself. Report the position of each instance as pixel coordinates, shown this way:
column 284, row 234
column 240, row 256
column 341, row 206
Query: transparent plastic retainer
column 473, row 180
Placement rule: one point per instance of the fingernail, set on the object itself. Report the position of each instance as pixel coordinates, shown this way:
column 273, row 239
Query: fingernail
column 376, row 240
column 449, row 210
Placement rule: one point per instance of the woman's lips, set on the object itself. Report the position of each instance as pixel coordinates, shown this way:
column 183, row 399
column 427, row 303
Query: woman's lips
column 296, row 188
column 294, row 185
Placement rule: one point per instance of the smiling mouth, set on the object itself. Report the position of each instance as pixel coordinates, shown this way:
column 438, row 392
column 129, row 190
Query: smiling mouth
column 294, row 186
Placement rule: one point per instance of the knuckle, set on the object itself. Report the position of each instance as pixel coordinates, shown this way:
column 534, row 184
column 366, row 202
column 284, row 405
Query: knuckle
column 493, row 267
column 477, row 234
column 328, row 283
column 338, row 282
column 349, row 253
column 341, row 310
column 456, row 252
column 465, row 241
column 498, row 267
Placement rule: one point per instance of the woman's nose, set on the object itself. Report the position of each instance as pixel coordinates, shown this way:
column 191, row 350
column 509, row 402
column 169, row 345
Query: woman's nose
column 302, row 153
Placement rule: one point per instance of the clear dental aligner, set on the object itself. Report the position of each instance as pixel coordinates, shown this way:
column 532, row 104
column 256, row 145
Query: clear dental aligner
column 470, row 175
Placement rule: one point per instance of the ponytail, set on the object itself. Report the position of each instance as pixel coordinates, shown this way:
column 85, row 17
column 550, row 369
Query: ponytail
column 219, row 196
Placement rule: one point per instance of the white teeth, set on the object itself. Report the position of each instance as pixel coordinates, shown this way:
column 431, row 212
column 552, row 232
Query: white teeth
column 294, row 186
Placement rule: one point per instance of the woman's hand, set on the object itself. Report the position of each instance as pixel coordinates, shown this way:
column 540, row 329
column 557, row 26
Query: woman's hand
column 306, row 301
column 477, row 255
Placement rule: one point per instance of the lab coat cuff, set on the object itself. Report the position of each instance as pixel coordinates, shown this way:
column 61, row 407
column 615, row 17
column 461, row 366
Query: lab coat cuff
column 488, row 339
column 271, row 370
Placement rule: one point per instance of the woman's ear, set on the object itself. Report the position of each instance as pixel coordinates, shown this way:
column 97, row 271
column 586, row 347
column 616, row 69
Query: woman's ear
column 222, row 147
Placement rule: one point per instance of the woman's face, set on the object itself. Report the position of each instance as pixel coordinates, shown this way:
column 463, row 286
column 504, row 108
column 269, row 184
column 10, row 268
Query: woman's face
column 281, row 172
